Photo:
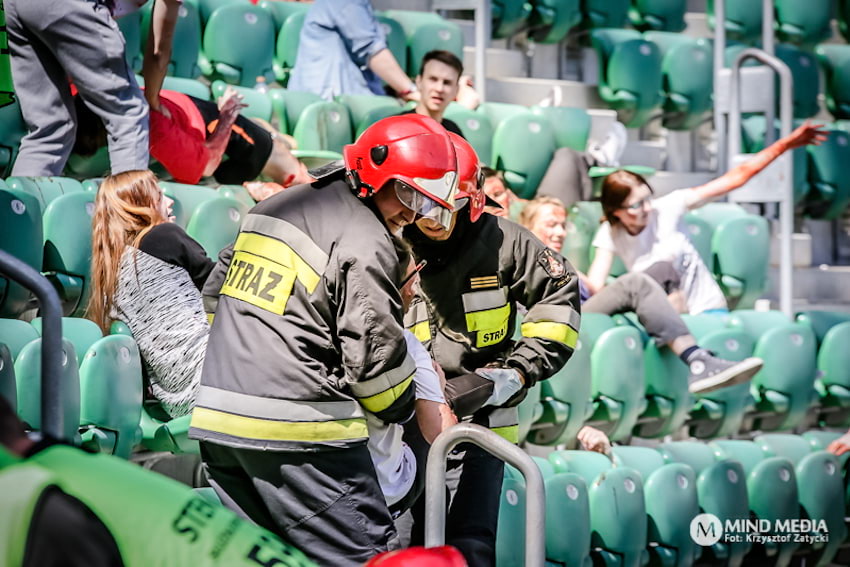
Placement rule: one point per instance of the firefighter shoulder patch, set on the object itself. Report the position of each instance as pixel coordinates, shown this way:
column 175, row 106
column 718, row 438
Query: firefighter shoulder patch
column 552, row 263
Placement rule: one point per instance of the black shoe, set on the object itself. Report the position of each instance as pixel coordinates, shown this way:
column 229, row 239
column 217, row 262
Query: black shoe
column 709, row 373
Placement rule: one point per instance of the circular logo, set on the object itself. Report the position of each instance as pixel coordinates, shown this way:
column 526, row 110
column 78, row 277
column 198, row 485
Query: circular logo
column 578, row 344
column 732, row 476
column 473, row 124
column 534, row 127
column 124, row 352
column 511, row 497
column 90, row 209
column 752, row 229
column 784, row 474
column 18, row 207
column 732, row 345
column 842, row 140
column 3, row 363
column 250, row 18
column 830, row 468
column 572, row 491
column 631, row 343
column 694, row 229
column 444, row 35
column 233, row 214
column 182, row 12
column 645, row 49
column 682, row 481
column 706, row 529
column 796, row 339
column 629, row 485
column 386, row 29
column 335, row 116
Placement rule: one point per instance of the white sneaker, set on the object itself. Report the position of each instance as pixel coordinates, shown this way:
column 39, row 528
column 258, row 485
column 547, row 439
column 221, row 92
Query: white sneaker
column 611, row 149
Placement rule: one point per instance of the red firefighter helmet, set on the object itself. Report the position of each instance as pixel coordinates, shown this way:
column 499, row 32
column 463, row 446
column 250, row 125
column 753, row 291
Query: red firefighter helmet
column 470, row 179
column 416, row 153
column 445, row 556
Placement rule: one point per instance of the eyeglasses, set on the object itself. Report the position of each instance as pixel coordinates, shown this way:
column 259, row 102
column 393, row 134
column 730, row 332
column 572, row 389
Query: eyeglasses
column 637, row 205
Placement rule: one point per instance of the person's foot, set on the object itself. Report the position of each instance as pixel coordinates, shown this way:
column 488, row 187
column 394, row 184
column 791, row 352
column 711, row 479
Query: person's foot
column 609, row 151
column 709, row 373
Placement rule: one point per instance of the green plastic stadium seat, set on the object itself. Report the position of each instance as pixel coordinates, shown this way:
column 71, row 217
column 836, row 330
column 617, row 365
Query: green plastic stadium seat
column 237, row 192
column 365, row 110
column 510, row 540
column 667, row 396
column 742, row 276
column 45, row 189
column 830, row 188
column 206, row 8
column 716, row 214
column 806, row 79
column 186, row 198
column 842, row 15
column 67, row 248
column 259, row 104
column 616, row 362
column 426, row 31
column 396, row 40
column 571, row 125
column 833, row 382
column 721, row 412
column 130, row 26
column 630, row 78
column 670, row 493
column 784, row 387
column 16, row 334
column 583, row 222
column 686, row 69
column 617, row 509
column 605, row 13
column 803, row 23
column 282, row 10
column 699, row 233
column 286, row 45
column 186, row 48
column 819, row 485
column 835, row 59
column 509, row 17
column 21, row 235
column 28, row 376
column 96, row 165
column 771, row 491
column 82, row 333
column 498, row 112
column 743, row 19
column 215, row 224
column 12, row 129
column 659, row 15
column 239, row 44
column 288, row 105
column 8, row 386
column 190, row 87
column 161, row 434
column 476, row 128
column 522, row 148
column 111, row 395
column 822, row 321
column 721, row 490
column 530, row 411
column 551, row 20
column 323, row 126
column 567, row 543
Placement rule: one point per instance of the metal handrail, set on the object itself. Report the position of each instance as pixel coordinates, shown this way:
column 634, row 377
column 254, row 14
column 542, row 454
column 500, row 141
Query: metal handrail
column 52, row 410
column 786, row 202
column 481, row 10
column 435, row 482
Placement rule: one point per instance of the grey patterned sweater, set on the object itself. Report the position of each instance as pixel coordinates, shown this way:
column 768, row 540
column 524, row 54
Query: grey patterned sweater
column 158, row 297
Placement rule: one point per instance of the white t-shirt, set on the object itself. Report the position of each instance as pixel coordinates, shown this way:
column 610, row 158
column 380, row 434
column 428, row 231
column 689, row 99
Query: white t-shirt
column 394, row 462
column 664, row 240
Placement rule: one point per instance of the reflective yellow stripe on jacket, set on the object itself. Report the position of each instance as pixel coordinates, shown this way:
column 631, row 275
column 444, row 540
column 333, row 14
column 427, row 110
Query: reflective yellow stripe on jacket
column 505, row 423
column 380, row 392
column 487, row 315
column 554, row 322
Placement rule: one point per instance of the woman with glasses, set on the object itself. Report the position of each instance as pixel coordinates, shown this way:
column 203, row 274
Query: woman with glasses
column 647, row 233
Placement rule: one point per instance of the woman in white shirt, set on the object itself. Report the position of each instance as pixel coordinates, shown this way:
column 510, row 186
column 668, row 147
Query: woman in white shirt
column 648, row 234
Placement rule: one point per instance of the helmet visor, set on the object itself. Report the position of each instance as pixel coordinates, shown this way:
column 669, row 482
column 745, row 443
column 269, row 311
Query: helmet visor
column 421, row 204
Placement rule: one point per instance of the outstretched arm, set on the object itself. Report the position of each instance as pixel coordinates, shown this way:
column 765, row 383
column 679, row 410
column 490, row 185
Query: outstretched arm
column 164, row 16
column 804, row 135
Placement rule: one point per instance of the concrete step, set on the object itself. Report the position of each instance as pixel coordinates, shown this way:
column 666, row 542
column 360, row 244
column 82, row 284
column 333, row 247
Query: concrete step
column 815, row 286
column 501, row 62
column 520, row 90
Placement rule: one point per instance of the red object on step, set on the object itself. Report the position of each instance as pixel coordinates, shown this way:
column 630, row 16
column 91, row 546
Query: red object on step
column 446, row 556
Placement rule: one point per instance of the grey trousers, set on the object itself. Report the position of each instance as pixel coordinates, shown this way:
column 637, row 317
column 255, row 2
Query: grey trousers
column 640, row 293
column 51, row 41
column 567, row 177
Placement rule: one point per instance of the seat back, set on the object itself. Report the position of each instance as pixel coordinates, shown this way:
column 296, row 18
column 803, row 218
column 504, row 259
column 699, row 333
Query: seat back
column 510, row 540
column 605, row 13
column 687, row 79
column 45, row 189
column 741, row 250
column 323, row 126
column 663, row 15
column 498, row 112
column 571, row 125
column 509, row 17
column 834, row 58
column 286, row 45
column 130, row 26
column 522, row 147
column 803, row 23
column 716, row 214
column 190, row 87
column 566, row 497
column 830, row 190
column 280, row 11
column 551, row 20
column 259, row 103
column 743, row 19
column 476, row 128
column 82, row 333
column 668, row 399
column 186, row 198
column 237, row 192
column 365, row 110
column 426, row 31
column 215, row 224
column 21, row 235
column 186, row 47
column 239, row 42
column 700, row 234
column 288, row 105
column 206, row 8
column 12, row 129
column 806, row 77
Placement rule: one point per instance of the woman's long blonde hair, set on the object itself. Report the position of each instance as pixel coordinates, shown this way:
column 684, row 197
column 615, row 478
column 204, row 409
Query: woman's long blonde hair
column 126, row 208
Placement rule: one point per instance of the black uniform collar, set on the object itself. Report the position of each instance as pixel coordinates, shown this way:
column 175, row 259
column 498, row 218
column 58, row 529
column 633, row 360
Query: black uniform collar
column 441, row 252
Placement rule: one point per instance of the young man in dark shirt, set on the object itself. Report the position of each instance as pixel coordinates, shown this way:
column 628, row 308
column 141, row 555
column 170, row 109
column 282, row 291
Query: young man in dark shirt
column 439, row 83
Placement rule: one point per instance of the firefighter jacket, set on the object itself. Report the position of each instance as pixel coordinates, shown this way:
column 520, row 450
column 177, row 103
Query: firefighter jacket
column 307, row 334
column 471, row 288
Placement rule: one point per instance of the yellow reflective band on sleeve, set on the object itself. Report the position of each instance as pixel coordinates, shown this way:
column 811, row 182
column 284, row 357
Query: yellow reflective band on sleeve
column 380, row 402
column 510, row 433
column 271, row 430
column 422, row 331
column 491, row 325
column 559, row 332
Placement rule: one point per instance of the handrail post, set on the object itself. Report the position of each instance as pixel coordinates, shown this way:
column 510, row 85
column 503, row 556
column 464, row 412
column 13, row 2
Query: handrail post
column 786, row 200
column 481, row 14
column 435, row 482
column 52, row 414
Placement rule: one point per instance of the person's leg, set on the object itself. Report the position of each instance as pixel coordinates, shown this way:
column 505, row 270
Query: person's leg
column 248, row 151
column 43, row 93
column 90, row 48
column 566, row 178
column 671, row 282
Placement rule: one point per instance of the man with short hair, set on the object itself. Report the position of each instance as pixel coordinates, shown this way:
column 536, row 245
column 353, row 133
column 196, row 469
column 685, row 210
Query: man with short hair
column 439, row 82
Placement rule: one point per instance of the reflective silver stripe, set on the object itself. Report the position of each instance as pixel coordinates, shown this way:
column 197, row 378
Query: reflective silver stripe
column 385, row 381
column 416, row 314
column 556, row 313
column 503, row 417
column 302, row 244
column 483, row 300
column 277, row 409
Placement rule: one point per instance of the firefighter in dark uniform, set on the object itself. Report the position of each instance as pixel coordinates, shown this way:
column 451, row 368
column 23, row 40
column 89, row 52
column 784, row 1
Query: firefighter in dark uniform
column 307, row 338
column 478, row 272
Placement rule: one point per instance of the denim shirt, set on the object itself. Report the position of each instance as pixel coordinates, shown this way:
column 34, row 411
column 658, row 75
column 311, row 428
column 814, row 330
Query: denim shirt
column 337, row 40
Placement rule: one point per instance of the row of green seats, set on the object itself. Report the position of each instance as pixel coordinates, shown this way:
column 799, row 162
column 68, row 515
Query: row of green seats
column 801, row 23
column 636, row 508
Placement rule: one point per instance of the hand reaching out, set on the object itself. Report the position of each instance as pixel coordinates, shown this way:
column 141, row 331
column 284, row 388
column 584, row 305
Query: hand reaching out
column 592, row 439
column 466, row 94
column 807, row 134
column 840, row 445
column 230, row 103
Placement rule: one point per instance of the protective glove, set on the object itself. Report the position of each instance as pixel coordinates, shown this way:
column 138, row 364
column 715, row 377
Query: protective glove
column 506, row 384
column 467, row 393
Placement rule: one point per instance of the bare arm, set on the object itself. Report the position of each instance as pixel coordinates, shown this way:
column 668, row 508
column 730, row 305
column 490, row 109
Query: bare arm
column 804, row 135
column 229, row 105
column 598, row 272
column 158, row 48
column 592, row 439
column 387, row 68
